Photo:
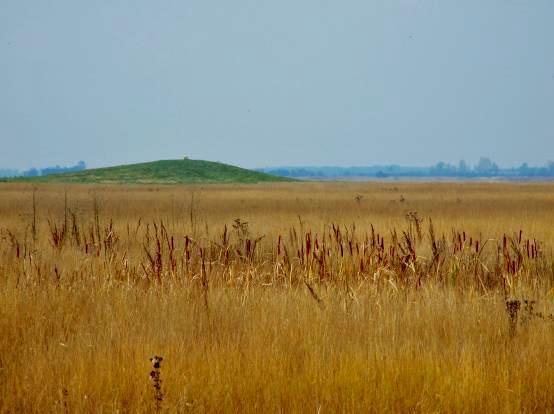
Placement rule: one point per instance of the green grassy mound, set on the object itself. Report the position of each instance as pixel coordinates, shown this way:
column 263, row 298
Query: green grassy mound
column 185, row 171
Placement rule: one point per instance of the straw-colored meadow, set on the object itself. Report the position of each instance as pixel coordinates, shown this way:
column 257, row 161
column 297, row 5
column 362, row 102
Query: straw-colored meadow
column 304, row 297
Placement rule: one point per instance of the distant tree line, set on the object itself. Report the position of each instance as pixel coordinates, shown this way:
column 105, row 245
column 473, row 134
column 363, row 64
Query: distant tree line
column 37, row 172
column 6, row 172
column 484, row 168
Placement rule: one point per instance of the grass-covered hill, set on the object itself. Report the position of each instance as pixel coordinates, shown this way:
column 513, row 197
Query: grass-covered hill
column 184, row 171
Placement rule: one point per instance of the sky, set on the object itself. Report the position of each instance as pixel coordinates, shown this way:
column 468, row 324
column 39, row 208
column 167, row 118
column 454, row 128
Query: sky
column 271, row 83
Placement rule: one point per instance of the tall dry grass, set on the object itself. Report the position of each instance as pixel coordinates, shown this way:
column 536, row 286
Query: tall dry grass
column 296, row 298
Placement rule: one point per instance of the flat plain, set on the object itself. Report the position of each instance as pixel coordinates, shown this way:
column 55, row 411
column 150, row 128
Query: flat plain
column 284, row 297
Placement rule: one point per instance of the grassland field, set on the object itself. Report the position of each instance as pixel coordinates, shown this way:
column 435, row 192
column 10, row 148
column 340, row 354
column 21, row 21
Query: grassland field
column 277, row 297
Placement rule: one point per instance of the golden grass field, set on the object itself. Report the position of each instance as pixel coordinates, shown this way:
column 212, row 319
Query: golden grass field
column 301, row 297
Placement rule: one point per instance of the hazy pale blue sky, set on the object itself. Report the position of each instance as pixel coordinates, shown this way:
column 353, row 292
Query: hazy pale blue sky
column 289, row 82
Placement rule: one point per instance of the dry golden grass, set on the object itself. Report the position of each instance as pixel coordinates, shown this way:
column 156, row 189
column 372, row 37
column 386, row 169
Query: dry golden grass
column 302, row 309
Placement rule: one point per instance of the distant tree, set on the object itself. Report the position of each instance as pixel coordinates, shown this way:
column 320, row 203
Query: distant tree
column 486, row 167
column 57, row 169
column 33, row 172
column 443, row 169
column 440, row 167
column 524, row 170
column 463, row 168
